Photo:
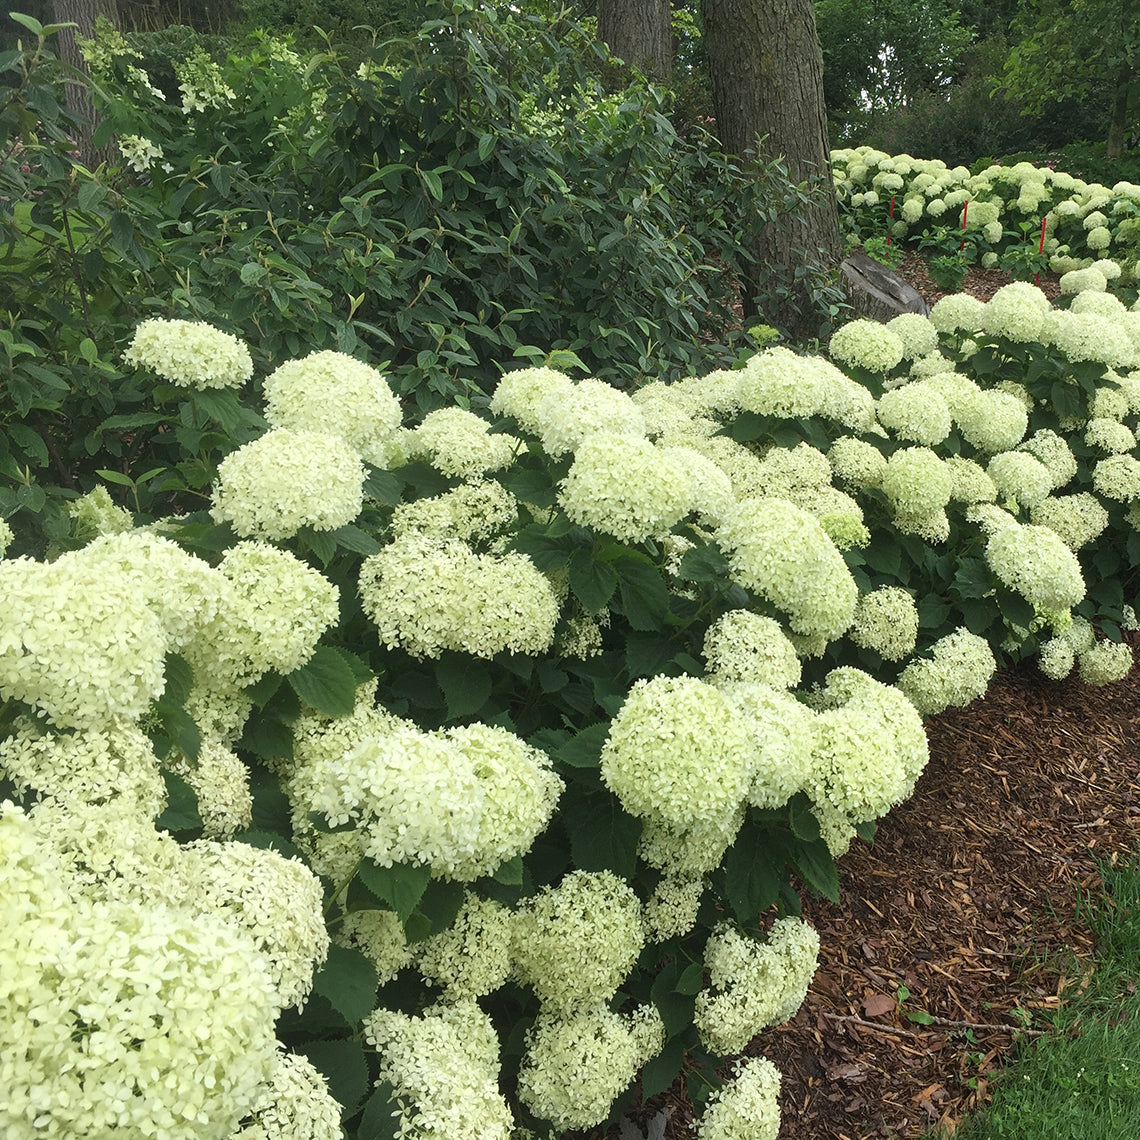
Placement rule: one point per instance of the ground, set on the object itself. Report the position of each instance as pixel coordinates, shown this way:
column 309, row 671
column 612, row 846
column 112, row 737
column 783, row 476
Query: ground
column 968, row 899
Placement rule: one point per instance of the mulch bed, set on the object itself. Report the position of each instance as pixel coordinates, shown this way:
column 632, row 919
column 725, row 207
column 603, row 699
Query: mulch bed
column 968, row 898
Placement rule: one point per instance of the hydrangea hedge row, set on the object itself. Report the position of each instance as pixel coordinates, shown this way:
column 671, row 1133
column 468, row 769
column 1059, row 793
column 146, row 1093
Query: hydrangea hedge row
column 999, row 210
column 458, row 779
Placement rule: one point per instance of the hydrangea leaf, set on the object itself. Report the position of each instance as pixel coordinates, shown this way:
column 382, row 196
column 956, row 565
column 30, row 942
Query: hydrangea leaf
column 465, row 685
column 400, row 886
column 348, row 980
column 326, row 681
column 593, row 582
column 343, row 1065
column 380, row 1119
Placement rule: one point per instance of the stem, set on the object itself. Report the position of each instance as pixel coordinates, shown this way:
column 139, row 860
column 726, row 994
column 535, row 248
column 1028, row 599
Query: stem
column 341, row 887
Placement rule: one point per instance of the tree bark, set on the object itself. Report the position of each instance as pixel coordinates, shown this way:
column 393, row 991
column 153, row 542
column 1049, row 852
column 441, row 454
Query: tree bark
column 766, row 68
column 84, row 14
column 1118, row 124
column 638, row 32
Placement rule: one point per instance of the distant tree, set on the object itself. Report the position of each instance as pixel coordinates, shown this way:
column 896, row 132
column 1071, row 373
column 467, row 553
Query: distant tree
column 81, row 16
column 638, row 33
column 766, row 69
column 1074, row 48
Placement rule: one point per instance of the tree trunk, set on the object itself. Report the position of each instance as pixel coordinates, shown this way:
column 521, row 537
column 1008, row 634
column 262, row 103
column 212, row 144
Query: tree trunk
column 1118, row 124
column 638, row 32
column 82, row 13
column 766, row 68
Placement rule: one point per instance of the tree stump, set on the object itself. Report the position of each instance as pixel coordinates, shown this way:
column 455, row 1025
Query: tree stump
column 877, row 291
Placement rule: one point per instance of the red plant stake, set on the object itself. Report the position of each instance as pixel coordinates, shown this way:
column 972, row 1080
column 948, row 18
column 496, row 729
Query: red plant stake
column 965, row 210
column 1040, row 249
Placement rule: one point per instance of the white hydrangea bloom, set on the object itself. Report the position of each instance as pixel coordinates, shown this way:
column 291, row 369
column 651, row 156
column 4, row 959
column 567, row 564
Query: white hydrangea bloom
column 568, row 416
column 519, row 394
column 1056, row 658
column 519, row 791
column 1117, row 477
column 671, row 911
column 867, row 344
column 220, row 782
column 1054, row 451
column 886, row 620
column 779, row 382
column 1105, row 662
column 678, row 751
column 1109, row 403
column 857, row 462
column 1089, row 336
column 190, row 354
column 91, row 765
column 746, row 1107
column 753, row 984
column 691, row 849
column 95, row 514
column 743, row 646
column 414, row 797
column 185, row 591
column 297, row 1105
column 1016, row 311
column 1019, row 477
column 782, row 553
column 379, row 936
column 785, row 733
column 106, row 1006
column 918, row 335
column 443, row 1067
column 276, row 900
column 578, row 1063
column 1077, row 519
column 970, row 483
column 472, row 957
column 472, row 512
column 6, row 536
column 916, row 482
column 1105, row 435
column 957, row 672
column 285, row 480
column 331, row 392
column 459, row 443
column 623, row 486
column 915, row 412
column 710, row 488
column 428, row 595
column 871, row 746
column 1084, row 281
column 958, row 311
column 990, row 420
column 574, row 944
column 78, row 642
column 274, row 611
column 1035, row 562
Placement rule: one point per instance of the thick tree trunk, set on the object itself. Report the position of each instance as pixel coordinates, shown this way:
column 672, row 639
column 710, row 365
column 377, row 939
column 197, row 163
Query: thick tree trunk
column 767, row 86
column 84, row 14
column 638, row 32
column 1118, row 124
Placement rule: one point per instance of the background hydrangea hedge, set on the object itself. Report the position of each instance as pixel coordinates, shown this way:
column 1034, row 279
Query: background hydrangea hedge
column 462, row 777
column 902, row 197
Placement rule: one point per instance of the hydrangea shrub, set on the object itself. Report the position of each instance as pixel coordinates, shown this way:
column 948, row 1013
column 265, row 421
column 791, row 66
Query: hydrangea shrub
column 489, row 756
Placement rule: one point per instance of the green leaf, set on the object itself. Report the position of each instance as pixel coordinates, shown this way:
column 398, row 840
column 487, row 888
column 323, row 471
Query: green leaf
column 30, row 22
column 660, row 1073
column 644, row 595
column 181, row 811
column 381, row 1117
column 973, row 579
column 115, row 477
column 348, row 980
column 88, row 350
column 326, row 681
column 817, row 868
column 179, row 729
column 585, row 749
column 267, row 736
column 920, row 1017
column 593, row 582
column 705, row 564
column 750, row 874
column 440, row 903
column 805, row 826
column 465, row 683
column 222, row 405
column 401, row 886
column 179, row 679
column 383, row 487
column 351, row 537
column 510, row 873
column 343, row 1064
column 603, row 837
column 676, row 1009
column 692, row 979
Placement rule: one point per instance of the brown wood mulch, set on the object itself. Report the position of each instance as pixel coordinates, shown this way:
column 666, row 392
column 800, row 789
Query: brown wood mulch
column 968, row 899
